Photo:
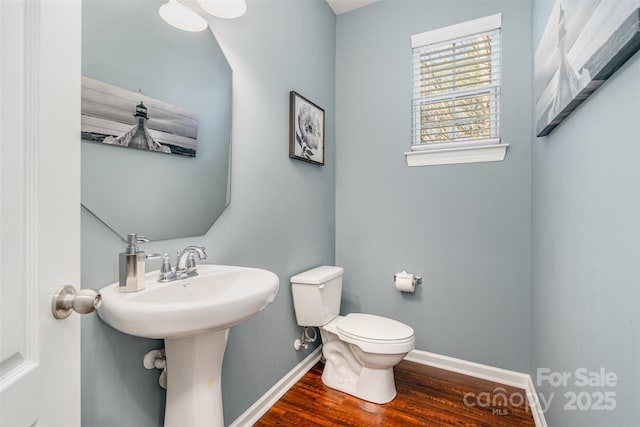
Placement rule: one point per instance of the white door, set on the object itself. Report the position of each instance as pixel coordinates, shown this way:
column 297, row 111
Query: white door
column 39, row 210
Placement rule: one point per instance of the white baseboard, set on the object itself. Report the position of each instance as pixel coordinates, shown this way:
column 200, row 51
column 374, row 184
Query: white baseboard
column 477, row 370
column 258, row 409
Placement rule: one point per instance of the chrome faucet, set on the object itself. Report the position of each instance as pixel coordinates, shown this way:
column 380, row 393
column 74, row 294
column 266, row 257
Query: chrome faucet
column 132, row 264
column 185, row 264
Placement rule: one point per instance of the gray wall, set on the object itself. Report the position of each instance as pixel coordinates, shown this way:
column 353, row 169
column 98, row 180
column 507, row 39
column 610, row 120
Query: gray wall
column 464, row 228
column 585, row 246
column 281, row 218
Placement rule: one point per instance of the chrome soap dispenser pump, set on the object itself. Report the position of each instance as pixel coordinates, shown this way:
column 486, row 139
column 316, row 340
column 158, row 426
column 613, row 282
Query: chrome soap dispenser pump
column 132, row 265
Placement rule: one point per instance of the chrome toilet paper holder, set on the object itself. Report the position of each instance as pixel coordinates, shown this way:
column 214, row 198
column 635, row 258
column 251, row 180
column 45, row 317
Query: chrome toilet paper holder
column 417, row 280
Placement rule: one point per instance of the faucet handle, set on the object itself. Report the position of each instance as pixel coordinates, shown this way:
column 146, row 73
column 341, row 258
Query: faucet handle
column 166, row 263
column 166, row 272
column 201, row 251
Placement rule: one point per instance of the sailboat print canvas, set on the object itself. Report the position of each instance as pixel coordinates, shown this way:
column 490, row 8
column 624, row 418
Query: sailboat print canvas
column 120, row 117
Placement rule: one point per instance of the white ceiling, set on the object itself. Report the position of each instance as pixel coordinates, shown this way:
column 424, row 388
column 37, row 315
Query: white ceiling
column 342, row 6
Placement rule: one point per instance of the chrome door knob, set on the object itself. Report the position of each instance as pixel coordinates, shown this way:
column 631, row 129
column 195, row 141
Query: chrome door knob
column 66, row 299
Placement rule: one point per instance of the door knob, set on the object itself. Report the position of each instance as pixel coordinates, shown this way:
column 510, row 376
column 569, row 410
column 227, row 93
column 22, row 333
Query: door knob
column 66, row 299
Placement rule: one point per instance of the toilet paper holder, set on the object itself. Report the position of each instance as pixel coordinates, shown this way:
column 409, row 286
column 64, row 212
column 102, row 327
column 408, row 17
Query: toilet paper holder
column 417, row 280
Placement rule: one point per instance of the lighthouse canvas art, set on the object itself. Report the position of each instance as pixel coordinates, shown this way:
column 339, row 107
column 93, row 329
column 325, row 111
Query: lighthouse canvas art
column 583, row 44
column 120, row 117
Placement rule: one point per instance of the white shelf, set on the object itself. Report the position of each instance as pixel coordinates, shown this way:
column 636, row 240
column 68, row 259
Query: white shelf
column 456, row 155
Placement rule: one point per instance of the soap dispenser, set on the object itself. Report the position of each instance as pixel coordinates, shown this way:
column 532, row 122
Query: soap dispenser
column 132, row 265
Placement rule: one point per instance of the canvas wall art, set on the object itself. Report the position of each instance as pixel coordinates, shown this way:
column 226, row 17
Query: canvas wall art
column 583, row 44
column 120, row 117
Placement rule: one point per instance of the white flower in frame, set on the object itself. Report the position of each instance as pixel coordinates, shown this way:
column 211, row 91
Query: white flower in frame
column 310, row 128
column 306, row 130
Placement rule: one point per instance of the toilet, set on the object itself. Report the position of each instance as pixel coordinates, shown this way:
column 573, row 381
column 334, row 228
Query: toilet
column 360, row 350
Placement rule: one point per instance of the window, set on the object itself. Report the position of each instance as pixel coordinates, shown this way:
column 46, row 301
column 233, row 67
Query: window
column 456, row 94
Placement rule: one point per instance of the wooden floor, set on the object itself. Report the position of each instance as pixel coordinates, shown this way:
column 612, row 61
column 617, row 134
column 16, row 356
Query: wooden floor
column 427, row 396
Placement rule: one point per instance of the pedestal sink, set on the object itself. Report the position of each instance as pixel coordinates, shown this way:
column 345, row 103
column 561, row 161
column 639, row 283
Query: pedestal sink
column 193, row 316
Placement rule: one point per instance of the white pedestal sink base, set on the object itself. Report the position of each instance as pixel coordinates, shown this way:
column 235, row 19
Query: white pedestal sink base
column 194, row 392
column 182, row 312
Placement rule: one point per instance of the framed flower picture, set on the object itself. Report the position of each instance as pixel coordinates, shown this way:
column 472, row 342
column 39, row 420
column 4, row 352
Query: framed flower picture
column 306, row 130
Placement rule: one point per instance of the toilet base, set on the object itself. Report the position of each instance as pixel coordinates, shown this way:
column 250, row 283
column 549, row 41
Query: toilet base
column 348, row 369
column 372, row 385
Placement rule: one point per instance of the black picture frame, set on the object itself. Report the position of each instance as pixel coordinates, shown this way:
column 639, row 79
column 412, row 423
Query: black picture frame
column 306, row 130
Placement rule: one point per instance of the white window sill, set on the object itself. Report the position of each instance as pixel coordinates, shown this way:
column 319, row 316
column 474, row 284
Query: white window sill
column 456, row 155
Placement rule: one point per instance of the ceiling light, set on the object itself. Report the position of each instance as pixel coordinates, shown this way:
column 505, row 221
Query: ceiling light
column 180, row 16
column 224, row 8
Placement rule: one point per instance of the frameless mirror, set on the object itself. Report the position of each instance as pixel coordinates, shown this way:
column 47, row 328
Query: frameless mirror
column 168, row 93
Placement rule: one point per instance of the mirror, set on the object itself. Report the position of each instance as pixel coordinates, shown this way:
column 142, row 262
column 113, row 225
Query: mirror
column 128, row 49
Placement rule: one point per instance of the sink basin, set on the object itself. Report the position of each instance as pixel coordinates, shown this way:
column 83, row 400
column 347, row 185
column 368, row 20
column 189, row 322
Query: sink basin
column 193, row 316
column 219, row 297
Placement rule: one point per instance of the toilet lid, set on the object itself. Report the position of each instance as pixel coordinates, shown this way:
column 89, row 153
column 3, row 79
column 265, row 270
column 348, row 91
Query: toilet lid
column 369, row 327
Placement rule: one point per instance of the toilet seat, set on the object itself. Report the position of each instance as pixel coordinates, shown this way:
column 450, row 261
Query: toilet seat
column 375, row 334
column 369, row 327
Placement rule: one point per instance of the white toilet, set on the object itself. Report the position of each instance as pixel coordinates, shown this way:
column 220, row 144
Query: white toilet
column 360, row 350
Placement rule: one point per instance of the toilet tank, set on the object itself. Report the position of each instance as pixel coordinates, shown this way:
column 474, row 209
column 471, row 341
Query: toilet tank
column 316, row 295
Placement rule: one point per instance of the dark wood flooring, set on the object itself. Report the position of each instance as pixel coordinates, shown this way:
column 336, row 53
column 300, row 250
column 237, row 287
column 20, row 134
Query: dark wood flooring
column 427, row 396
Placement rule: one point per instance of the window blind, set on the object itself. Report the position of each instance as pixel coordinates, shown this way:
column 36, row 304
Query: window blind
column 456, row 87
